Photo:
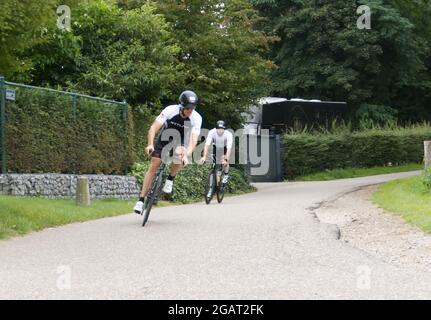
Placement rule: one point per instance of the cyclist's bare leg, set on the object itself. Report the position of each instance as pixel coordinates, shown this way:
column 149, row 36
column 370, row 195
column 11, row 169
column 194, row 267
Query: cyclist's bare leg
column 177, row 164
column 175, row 168
column 149, row 176
column 226, row 168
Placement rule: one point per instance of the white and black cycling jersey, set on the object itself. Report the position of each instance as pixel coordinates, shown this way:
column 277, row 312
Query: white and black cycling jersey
column 225, row 140
column 171, row 117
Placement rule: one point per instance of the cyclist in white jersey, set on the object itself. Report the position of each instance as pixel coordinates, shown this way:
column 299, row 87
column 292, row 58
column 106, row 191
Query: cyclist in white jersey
column 186, row 122
column 222, row 141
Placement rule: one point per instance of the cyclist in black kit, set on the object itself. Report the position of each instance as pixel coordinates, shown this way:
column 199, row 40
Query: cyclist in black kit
column 183, row 120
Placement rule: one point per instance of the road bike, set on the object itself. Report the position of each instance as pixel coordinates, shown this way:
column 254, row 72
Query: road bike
column 215, row 183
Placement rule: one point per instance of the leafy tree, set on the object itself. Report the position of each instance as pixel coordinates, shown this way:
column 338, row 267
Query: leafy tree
column 146, row 52
column 322, row 54
column 370, row 116
column 222, row 54
column 413, row 98
column 21, row 22
column 127, row 53
column 118, row 54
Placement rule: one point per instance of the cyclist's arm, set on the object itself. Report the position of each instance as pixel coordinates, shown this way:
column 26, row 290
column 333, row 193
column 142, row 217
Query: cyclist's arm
column 166, row 114
column 228, row 152
column 208, row 142
column 194, row 134
column 193, row 143
column 229, row 145
column 154, row 129
column 205, row 151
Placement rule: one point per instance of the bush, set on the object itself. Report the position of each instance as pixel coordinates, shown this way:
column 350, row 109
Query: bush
column 369, row 116
column 190, row 182
column 307, row 153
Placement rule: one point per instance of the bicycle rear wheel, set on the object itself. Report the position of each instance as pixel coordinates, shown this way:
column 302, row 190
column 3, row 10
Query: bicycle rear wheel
column 209, row 188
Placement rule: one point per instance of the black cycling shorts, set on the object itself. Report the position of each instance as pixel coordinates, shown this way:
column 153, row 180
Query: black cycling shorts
column 158, row 148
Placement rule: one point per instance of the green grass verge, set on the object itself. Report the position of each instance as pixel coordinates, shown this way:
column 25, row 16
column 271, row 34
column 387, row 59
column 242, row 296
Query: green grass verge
column 357, row 172
column 21, row 215
column 408, row 199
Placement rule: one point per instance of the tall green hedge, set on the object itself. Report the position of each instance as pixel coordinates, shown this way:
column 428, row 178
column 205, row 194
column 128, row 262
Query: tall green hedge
column 44, row 134
column 306, row 153
column 142, row 118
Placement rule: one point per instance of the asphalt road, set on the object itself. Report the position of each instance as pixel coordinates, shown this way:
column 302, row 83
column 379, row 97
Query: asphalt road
column 264, row 245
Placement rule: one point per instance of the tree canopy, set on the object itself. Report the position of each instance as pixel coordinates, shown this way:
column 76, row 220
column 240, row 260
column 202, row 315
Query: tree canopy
column 148, row 52
column 221, row 52
column 118, row 54
column 20, row 27
column 230, row 52
column 323, row 54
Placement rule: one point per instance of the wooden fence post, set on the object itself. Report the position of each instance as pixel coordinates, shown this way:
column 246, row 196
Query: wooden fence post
column 83, row 192
column 427, row 154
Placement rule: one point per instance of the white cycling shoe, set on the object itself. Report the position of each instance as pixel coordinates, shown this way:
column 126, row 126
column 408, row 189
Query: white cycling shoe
column 209, row 194
column 225, row 179
column 139, row 207
column 167, row 188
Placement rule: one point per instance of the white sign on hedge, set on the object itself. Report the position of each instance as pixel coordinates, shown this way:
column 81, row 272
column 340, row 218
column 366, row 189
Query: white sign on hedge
column 10, row 94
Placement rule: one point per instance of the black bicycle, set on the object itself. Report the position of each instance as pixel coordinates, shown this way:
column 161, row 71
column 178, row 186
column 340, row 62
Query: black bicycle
column 215, row 183
column 154, row 192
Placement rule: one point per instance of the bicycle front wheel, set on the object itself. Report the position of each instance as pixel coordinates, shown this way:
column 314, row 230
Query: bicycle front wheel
column 209, row 188
column 148, row 204
column 152, row 196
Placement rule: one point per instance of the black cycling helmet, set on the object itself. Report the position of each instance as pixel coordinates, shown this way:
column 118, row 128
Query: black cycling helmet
column 221, row 124
column 188, row 99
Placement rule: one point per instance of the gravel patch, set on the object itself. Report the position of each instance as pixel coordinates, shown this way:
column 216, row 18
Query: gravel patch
column 379, row 233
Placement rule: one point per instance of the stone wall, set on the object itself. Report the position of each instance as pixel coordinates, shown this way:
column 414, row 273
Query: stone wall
column 64, row 185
